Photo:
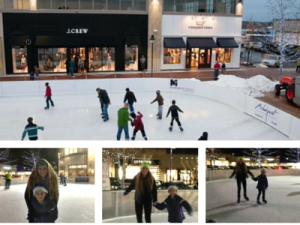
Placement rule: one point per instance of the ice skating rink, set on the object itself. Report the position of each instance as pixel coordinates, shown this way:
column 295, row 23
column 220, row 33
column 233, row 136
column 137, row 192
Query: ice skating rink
column 77, row 117
column 76, row 204
column 283, row 197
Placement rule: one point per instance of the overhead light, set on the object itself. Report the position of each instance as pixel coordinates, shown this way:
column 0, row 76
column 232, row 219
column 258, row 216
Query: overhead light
column 270, row 159
column 246, row 159
column 7, row 167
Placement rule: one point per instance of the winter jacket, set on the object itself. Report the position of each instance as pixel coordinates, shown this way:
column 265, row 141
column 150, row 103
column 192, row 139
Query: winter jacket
column 8, row 176
column 43, row 213
column 159, row 99
column 262, row 182
column 137, row 123
column 32, row 130
column 123, row 117
column 130, row 97
column 298, row 62
column 223, row 66
column 174, row 111
column 174, row 206
column 103, row 97
column 146, row 195
column 48, row 92
column 241, row 175
column 217, row 66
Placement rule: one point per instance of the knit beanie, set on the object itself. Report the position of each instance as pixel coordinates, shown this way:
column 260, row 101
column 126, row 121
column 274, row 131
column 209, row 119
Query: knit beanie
column 263, row 170
column 242, row 158
column 39, row 188
column 42, row 163
column 172, row 187
column 145, row 165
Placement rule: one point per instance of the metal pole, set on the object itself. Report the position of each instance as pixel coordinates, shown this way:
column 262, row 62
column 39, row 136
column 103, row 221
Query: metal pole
column 152, row 62
column 171, row 162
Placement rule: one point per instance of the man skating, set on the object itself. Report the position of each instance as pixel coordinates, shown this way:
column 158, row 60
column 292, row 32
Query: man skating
column 104, row 99
column 130, row 99
column 160, row 101
column 123, row 119
column 48, row 95
column 32, row 130
column 8, row 178
column 174, row 114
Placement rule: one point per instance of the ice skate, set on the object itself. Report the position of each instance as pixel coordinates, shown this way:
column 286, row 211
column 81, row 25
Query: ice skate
column 238, row 200
column 146, row 139
column 133, row 138
column 170, row 129
column 104, row 120
column 181, row 128
column 265, row 201
column 246, row 198
column 46, row 108
column 258, row 202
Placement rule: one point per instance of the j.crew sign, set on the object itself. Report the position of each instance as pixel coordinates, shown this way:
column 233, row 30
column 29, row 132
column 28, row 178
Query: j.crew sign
column 77, row 31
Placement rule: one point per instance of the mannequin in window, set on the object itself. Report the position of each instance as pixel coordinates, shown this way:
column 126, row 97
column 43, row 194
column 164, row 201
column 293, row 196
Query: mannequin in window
column 23, row 62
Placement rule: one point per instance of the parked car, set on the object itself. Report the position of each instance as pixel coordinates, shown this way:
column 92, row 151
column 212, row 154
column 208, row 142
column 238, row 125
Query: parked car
column 257, row 46
column 115, row 183
column 179, row 184
column 271, row 61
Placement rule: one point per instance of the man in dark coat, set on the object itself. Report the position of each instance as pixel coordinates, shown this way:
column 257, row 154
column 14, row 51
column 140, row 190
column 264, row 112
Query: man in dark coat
column 174, row 114
column 262, row 185
column 130, row 98
column 104, row 99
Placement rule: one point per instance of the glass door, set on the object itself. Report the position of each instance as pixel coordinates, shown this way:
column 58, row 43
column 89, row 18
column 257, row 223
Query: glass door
column 78, row 55
column 194, row 58
column 204, row 58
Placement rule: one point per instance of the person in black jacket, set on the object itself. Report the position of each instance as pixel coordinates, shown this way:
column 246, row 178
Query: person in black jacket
column 262, row 185
column 104, row 101
column 145, row 193
column 174, row 114
column 174, row 204
column 204, row 137
column 241, row 171
column 130, row 98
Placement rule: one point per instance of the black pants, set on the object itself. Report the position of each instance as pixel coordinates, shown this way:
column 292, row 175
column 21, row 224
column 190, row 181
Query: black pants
column 177, row 120
column 7, row 184
column 147, row 205
column 298, row 68
column 263, row 191
column 239, row 181
column 142, row 131
column 101, row 105
column 33, row 138
column 48, row 99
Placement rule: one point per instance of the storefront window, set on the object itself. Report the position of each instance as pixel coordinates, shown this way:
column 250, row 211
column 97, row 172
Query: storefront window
column 52, row 59
column 225, row 6
column 113, row 4
column 43, row 4
column 169, row 5
column 72, row 4
column 131, row 57
column 140, row 5
column 101, row 59
column 126, row 4
column 172, row 55
column 78, row 170
column 86, row 4
column 58, row 4
column 223, row 55
column 100, row 4
column 19, row 60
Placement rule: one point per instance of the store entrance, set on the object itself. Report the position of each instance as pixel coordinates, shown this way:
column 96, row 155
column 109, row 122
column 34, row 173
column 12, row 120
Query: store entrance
column 198, row 58
column 78, row 54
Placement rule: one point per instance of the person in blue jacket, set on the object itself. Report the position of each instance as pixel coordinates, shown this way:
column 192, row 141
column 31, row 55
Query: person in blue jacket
column 262, row 185
column 32, row 130
column 174, row 204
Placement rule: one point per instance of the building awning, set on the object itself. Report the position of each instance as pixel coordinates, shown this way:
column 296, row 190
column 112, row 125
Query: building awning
column 201, row 43
column 227, row 43
column 132, row 40
column 174, row 43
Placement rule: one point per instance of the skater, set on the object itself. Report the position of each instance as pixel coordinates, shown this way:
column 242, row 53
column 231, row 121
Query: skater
column 81, row 65
column 298, row 65
column 204, row 137
column 174, row 114
column 130, row 98
column 64, row 180
column 143, row 61
column 32, row 130
column 104, row 99
column 145, row 193
column 174, row 204
column 101, row 103
column 241, row 171
column 8, row 178
column 216, row 70
column 43, row 174
column 61, row 179
column 160, row 101
column 37, row 72
column 137, row 123
column 48, row 95
column 262, row 185
column 45, row 209
column 31, row 75
column 123, row 118
column 72, row 67
column 68, row 66
column 223, row 68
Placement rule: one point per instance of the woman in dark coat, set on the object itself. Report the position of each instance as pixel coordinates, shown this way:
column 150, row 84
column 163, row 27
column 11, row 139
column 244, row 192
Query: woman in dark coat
column 145, row 193
column 241, row 171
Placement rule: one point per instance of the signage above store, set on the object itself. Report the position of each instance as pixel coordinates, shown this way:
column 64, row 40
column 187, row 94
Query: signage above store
column 77, row 31
column 200, row 25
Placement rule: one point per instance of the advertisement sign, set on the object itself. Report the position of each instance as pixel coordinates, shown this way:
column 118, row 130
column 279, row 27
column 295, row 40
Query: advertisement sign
column 105, row 176
column 182, row 85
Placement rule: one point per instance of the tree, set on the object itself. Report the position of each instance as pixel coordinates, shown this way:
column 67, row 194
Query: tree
column 212, row 154
column 293, row 154
column 282, row 11
column 4, row 156
column 31, row 157
column 258, row 154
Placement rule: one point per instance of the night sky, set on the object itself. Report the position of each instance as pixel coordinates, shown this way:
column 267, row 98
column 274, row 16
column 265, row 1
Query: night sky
column 239, row 151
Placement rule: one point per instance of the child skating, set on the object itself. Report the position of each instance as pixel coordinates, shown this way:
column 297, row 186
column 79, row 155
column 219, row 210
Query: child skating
column 138, row 125
column 32, row 130
column 174, row 113
column 174, row 204
column 45, row 209
column 262, row 185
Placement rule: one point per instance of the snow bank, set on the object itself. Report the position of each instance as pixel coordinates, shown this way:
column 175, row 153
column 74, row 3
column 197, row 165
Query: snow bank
column 260, row 65
column 254, row 86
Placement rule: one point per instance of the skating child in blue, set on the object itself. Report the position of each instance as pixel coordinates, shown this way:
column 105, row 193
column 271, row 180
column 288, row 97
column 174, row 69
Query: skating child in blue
column 262, row 185
column 174, row 204
column 45, row 209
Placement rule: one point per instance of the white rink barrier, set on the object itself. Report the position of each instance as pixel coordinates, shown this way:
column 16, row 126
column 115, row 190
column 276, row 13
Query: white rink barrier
column 283, row 122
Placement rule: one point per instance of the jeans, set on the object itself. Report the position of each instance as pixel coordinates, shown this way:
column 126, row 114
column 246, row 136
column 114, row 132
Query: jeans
column 7, row 184
column 177, row 120
column 223, row 71
column 120, row 129
column 48, row 99
column 72, row 71
column 131, row 108
column 105, row 107
column 147, row 205
column 263, row 191
column 216, row 74
column 37, row 76
column 239, row 181
column 160, row 110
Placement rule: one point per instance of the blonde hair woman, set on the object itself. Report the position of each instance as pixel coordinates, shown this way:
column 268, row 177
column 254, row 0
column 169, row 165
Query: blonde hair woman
column 145, row 193
column 43, row 174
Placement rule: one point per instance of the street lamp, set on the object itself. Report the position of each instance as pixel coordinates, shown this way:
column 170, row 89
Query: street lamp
column 171, row 162
column 152, row 39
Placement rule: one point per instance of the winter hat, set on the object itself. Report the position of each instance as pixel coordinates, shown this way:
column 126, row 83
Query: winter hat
column 40, row 188
column 41, row 163
column 263, row 170
column 172, row 187
column 145, row 165
column 242, row 158
column 98, row 89
column 158, row 92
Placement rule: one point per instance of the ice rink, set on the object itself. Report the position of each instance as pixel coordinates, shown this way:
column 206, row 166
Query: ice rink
column 77, row 117
column 283, row 196
column 76, row 204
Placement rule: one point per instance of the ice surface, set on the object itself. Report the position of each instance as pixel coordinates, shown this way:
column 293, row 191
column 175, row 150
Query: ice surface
column 155, row 218
column 283, row 197
column 76, row 204
column 253, row 86
column 77, row 117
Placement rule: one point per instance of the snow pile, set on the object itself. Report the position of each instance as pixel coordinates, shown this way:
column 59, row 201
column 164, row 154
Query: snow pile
column 260, row 65
column 254, row 86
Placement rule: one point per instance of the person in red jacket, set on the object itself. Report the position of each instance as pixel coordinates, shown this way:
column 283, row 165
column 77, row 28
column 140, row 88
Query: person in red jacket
column 137, row 123
column 48, row 95
column 217, row 68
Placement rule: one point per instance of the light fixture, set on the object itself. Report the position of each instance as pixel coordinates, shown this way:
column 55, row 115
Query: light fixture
column 152, row 39
column 246, row 159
